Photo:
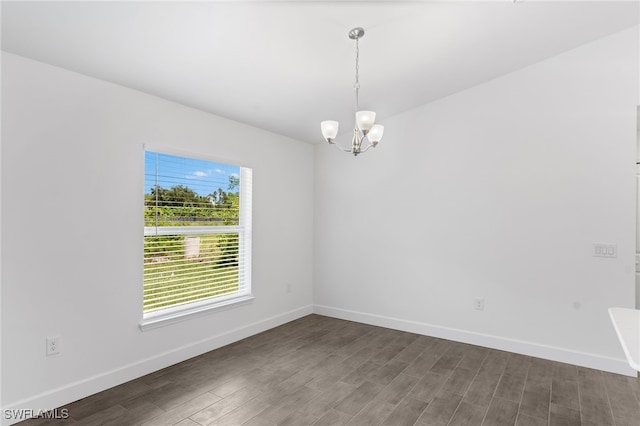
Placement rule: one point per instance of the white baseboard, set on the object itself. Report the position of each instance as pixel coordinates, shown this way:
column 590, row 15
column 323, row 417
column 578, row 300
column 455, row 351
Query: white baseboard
column 583, row 359
column 83, row 388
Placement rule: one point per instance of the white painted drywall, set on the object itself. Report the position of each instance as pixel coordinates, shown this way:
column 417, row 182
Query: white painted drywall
column 0, row 237
column 72, row 186
column 497, row 192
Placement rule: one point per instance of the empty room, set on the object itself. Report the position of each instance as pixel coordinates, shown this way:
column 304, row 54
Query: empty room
column 320, row 213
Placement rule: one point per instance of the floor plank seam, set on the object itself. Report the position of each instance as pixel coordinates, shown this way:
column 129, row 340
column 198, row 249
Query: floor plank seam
column 320, row 370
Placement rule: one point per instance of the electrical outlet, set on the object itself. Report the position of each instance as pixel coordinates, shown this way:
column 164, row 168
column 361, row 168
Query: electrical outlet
column 480, row 304
column 288, row 288
column 53, row 345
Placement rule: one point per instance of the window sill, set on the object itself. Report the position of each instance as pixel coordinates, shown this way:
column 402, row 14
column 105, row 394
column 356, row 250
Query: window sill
column 182, row 313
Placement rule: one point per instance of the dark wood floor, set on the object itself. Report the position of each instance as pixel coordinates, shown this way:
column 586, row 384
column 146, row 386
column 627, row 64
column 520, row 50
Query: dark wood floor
column 325, row 371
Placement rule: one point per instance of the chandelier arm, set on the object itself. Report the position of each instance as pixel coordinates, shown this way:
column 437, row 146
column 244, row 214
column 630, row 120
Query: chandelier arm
column 337, row 145
column 368, row 146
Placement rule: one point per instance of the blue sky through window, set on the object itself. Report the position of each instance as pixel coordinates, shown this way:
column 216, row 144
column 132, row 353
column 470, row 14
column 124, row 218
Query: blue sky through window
column 201, row 176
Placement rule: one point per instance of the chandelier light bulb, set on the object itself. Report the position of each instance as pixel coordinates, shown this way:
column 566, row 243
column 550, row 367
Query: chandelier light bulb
column 365, row 120
column 375, row 134
column 329, row 130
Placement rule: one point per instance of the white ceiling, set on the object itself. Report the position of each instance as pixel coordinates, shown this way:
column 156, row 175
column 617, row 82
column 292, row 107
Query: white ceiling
column 285, row 66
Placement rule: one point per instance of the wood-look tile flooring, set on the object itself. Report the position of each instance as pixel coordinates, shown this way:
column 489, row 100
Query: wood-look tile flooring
column 325, row 371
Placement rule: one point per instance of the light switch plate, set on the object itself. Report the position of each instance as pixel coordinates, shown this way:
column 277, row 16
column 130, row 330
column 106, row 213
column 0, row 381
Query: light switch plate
column 605, row 250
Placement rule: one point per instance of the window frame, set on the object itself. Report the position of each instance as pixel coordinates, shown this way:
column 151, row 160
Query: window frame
column 172, row 314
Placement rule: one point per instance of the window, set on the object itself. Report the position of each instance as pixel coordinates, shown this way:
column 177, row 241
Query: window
column 197, row 236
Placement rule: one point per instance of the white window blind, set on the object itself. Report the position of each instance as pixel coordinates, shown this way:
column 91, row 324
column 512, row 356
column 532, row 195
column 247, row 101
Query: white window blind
column 197, row 234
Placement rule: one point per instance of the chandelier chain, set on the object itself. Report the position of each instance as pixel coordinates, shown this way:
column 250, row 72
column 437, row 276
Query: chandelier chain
column 356, row 85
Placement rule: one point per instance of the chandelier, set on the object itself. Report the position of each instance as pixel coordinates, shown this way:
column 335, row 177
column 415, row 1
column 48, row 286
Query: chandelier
column 366, row 134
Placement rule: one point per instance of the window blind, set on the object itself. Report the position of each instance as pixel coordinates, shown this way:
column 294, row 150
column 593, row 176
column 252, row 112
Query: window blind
column 197, row 232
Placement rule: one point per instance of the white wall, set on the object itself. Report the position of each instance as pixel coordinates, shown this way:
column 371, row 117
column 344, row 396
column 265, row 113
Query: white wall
column 498, row 192
column 72, row 185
